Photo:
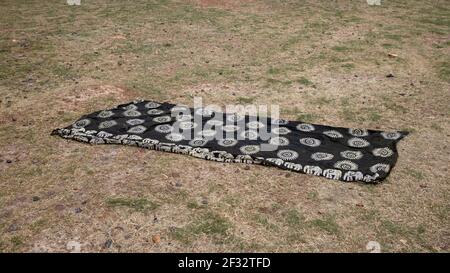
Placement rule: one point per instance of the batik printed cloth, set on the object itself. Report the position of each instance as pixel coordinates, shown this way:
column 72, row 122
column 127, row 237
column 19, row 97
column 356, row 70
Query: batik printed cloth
column 347, row 154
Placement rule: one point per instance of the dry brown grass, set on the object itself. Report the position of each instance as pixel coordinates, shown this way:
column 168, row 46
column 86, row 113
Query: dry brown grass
column 324, row 61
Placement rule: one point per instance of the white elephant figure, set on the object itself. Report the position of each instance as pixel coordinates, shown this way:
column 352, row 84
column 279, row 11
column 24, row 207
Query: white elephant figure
column 121, row 137
column 112, row 141
column 134, row 137
column 258, row 160
column 314, row 170
column 65, row 131
column 222, row 156
column 142, row 145
column 104, row 134
column 332, row 174
column 129, row 142
column 275, row 161
column 176, row 149
column 293, row 166
column 200, row 152
column 353, row 176
column 165, row 147
column 90, row 132
column 370, row 178
column 96, row 140
column 150, row 141
column 81, row 138
column 78, row 130
column 243, row 159
column 183, row 149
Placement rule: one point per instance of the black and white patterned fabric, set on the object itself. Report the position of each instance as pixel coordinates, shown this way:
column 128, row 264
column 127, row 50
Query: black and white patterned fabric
column 347, row 154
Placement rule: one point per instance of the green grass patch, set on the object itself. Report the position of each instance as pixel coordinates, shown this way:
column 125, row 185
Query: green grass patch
column 388, row 46
column 17, row 241
column 415, row 174
column 194, row 205
column 39, row 225
column 348, row 66
column 232, row 200
column 349, row 115
column 373, row 116
column 304, row 81
column 340, row 48
column 393, row 106
column 444, row 71
column 137, row 204
column 293, row 218
column 437, row 21
column 323, row 101
column 264, row 221
column 209, row 223
column 394, row 37
column 273, row 71
column 391, row 227
column 212, row 224
column 306, row 117
column 245, row 100
column 327, row 224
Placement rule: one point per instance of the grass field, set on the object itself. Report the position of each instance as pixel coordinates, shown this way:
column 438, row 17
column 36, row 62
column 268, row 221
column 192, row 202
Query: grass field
column 322, row 61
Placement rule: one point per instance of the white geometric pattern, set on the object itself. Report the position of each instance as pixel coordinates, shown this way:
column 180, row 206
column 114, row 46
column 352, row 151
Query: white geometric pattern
column 162, row 119
column 214, row 122
column 152, row 104
column 155, row 112
column 354, row 155
column 164, row 128
column 227, row 142
column 250, row 149
column 279, row 121
column 346, row 165
column 107, row 124
column 174, row 137
column 309, row 141
column 137, row 129
column 305, row 127
column 382, row 152
column 255, row 125
column 131, row 113
column 287, row 154
column 235, row 118
column 198, row 142
column 135, row 121
column 358, row 132
column 249, row 134
column 105, row 114
column 279, row 141
column 319, row 156
column 358, row 142
column 391, row 135
column 185, row 125
column 333, row 134
column 81, row 123
column 230, row 128
column 380, row 167
column 281, row 131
